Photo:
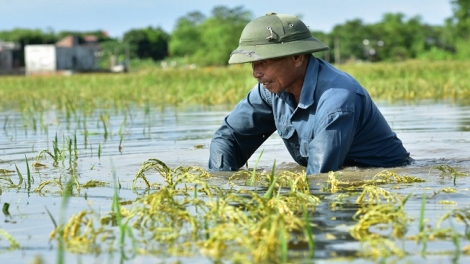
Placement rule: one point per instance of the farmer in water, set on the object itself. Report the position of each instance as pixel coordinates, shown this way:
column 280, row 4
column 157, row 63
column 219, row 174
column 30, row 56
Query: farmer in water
column 325, row 117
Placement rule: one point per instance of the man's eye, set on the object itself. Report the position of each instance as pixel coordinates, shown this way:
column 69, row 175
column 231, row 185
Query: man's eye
column 259, row 63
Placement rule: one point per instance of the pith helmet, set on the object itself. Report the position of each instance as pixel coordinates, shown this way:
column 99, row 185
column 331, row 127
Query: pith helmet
column 274, row 36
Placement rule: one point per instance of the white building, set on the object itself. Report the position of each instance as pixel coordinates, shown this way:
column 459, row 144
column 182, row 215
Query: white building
column 66, row 56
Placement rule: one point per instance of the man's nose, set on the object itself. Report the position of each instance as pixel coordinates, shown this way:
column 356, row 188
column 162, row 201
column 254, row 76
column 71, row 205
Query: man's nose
column 257, row 73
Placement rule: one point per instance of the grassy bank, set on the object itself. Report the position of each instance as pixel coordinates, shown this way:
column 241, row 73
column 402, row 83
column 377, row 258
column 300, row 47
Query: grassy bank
column 412, row 80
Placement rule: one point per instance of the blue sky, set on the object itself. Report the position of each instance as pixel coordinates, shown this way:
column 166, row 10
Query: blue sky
column 118, row 16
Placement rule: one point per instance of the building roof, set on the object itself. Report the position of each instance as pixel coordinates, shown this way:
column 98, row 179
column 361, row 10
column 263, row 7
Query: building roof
column 68, row 41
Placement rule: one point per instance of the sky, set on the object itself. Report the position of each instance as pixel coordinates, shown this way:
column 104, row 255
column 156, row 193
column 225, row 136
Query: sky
column 119, row 16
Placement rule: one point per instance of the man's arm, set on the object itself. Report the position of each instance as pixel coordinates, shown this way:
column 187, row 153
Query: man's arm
column 333, row 139
column 242, row 132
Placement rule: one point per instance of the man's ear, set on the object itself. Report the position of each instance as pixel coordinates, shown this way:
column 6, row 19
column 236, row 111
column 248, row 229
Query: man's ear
column 298, row 60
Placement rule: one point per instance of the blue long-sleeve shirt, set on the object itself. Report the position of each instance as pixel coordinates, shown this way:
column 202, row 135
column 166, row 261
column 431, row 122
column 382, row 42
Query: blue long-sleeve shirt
column 334, row 123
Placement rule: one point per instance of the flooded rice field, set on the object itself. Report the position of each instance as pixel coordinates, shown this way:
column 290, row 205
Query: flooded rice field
column 62, row 175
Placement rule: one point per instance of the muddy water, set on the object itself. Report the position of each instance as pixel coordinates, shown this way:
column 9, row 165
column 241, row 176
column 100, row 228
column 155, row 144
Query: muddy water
column 117, row 142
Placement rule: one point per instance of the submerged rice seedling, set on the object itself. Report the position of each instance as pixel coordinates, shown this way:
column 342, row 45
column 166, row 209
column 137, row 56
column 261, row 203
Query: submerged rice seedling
column 422, row 236
column 462, row 215
column 309, row 234
column 30, row 179
column 375, row 194
column 253, row 174
column 67, row 190
column 43, row 184
column 448, row 169
column 172, row 177
column 249, row 225
column 124, row 229
column 386, row 176
column 104, row 117
column 80, row 235
column 182, row 214
column 380, row 248
column 333, row 181
column 386, row 216
column 11, row 240
column 58, row 154
column 5, row 171
column 94, row 184
column 99, row 151
column 8, row 180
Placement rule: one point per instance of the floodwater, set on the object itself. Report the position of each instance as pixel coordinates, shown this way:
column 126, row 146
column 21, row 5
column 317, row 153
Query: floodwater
column 435, row 133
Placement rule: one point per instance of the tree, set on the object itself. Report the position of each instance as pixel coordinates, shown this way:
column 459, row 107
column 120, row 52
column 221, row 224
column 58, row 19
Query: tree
column 403, row 39
column 325, row 38
column 147, row 43
column 461, row 18
column 394, row 34
column 459, row 25
column 350, row 38
column 209, row 41
column 220, row 34
column 186, row 37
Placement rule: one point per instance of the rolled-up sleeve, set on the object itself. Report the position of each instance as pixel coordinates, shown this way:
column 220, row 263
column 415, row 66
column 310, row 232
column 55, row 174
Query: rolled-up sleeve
column 242, row 132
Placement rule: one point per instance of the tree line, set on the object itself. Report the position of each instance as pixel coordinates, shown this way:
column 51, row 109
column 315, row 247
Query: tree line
column 209, row 40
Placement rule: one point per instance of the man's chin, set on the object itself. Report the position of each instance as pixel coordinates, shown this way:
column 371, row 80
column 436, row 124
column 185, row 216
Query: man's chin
column 271, row 89
column 276, row 91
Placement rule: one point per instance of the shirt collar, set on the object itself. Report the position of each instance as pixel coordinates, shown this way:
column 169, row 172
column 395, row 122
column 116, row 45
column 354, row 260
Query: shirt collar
column 310, row 83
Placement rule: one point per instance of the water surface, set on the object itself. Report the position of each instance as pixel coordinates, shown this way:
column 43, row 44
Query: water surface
column 435, row 133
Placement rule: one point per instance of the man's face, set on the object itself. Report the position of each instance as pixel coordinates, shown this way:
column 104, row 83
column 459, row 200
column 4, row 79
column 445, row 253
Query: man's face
column 276, row 75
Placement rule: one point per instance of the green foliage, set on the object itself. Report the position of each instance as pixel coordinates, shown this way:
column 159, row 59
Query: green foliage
column 461, row 18
column 394, row 39
column 349, row 37
column 28, row 36
column 463, row 48
column 209, row 41
column 109, row 48
column 147, row 43
column 186, row 32
column 436, row 54
column 220, row 34
column 397, row 36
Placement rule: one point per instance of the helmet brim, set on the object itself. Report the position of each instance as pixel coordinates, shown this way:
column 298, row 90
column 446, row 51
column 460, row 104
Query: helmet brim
column 250, row 53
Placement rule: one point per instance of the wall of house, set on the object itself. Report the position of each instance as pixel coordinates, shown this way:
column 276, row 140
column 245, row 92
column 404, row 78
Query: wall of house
column 75, row 58
column 40, row 59
column 6, row 59
column 9, row 61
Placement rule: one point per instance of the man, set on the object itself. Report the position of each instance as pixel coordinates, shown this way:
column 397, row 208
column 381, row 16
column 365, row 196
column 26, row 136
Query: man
column 326, row 119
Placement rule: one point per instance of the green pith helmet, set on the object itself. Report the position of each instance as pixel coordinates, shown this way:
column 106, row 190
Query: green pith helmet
column 274, row 36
